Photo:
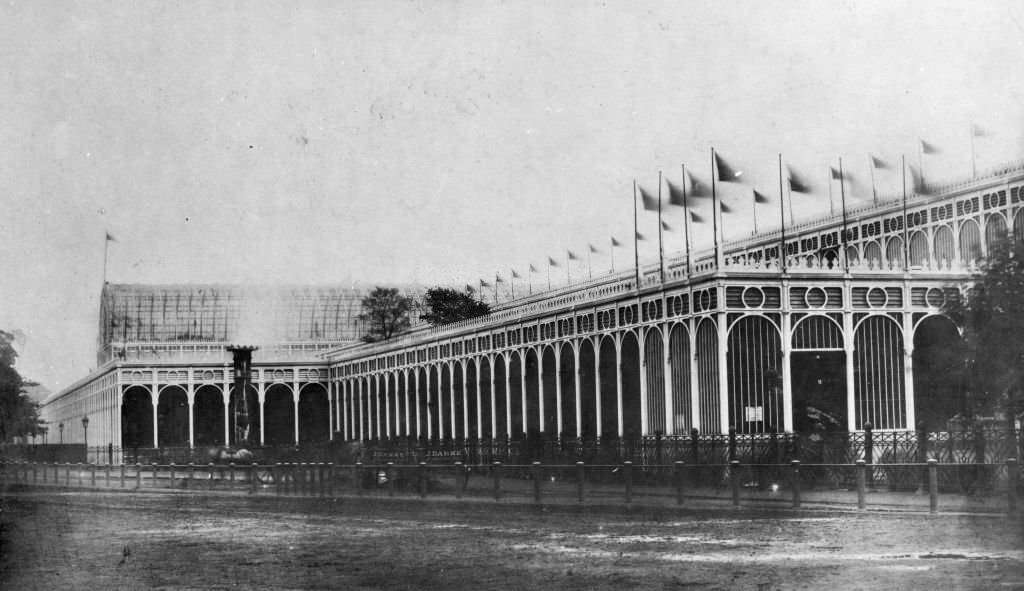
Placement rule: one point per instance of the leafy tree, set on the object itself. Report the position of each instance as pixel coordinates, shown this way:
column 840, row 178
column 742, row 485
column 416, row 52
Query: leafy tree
column 443, row 305
column 19, row 414
column 385, row 314
column 993, row 324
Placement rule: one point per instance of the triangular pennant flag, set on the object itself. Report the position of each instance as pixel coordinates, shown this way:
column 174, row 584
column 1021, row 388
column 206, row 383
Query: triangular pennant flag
column 725, row 208
column 515, row 275
column 878, row 163
column 484, row 283
column 552, row 262
column 640, row 236
column 498, row 279
column 593, row 248
column 698, row 188
column 650, row 202
column 571, row 255
column 725, row 171
column 835, row 173
column 696, row 218
column 917, row 181
column 110, row 238
column 665, row 226
column 796, row 183
column 615, row 242
column 978, row 131
column 760, row 197
column 675, row 194
column 927, row 148
column 532, row 268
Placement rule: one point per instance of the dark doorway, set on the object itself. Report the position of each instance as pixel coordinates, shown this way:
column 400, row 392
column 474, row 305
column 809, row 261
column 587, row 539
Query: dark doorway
column 819, row 390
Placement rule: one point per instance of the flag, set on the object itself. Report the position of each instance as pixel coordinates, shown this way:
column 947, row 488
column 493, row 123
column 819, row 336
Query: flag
column 110, row 238
column 552, row 262
column 978, row 131
column 593, row 248
column 484, row 284
column 570, row 255
column 640, row 236
column 725, row 208
column 532, row 268
column 665, row 226
column 650, row 202
column 927, row 148
column 697, row 187
column 760, row 197
column 797, row 184
column 836, row 175
column 498, row 279
column 696, row 218
column 917, row 181
column 725, row 171
column 615, row 242
column 675, row 194
column 515, row 275
column 878, row 163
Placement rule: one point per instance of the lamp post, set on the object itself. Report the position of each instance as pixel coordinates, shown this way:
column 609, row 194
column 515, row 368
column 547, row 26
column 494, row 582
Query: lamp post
column 61, row 427
column 85, row 430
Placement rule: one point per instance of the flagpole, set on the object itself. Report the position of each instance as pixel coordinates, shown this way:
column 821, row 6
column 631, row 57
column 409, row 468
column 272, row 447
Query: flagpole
column 529, row 280
column 568, row 261
column 590, row 269
column 495, row 288
column 871, row 167
column 512, row 282
column 661, row 245
column 842, row 194
column 611, row 251
column 782, row 220
column 831, row 204
column 906, row 245
column 714, row 211
column 920, row 159
column 686, row 222
column 549, row 273
column 636, row 238
column 106, row 248
column 974, row 172
column 753, row 208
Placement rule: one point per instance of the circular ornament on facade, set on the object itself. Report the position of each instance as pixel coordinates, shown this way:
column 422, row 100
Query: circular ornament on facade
column 278, row 375
column 877, row 297
column 606, row 318
column 172, row 376
column 136, row 376
column 314, row 375
column 207, row 376
column 935, row 297
column 627, row 315
column 815, row 297
column 704, row 300
column 677, row 305
column 753, row 297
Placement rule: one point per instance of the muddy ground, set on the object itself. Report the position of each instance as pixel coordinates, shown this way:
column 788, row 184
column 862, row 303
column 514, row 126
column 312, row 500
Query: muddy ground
column 89, row 540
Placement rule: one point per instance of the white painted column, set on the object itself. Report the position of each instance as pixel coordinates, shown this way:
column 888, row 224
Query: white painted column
column 618, row 383
column 261, row 398
column 577, row 381
column 387, row 405
column 540, row 388
column 597, row 384
column 645, row 422
column 191, row 396
column 225, row 394
column 155, row 396
column 479, row 410
column 670, row 412
column 451, row 397
column 694, row 374
column 416, row 398
column 430, row 417
column 522, row 388
column 494, row 398
column 362, row 416
column 785, row 372
column 376, row 406
column 908, row 364
column 723, row 369
column 848, row 346
column 331, row 391
column 295, row 401
column 465, row 400
column 408, row 414
column 508, row 396
column 558, row 390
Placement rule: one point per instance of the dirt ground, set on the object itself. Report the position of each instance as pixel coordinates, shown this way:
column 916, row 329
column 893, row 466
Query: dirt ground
column 89, row 540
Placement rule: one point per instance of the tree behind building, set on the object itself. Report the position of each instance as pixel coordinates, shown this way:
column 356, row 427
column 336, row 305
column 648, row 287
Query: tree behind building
column 19, row 414
column 385, row 314
column 443, row 305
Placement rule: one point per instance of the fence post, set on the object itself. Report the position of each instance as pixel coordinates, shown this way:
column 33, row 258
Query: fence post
column 253, row 474
column 922, row 452
column 211, row 474
column 933, row 485
column 1012, row 478
column 171, row 467
column 391, row 478
column 35, row 473
column 78, row 469
column 627, row 475
column 423, row 482
column 154, row 474
column 732, row 444
column 496, row 474
column 581, row 479
column 458, row 479
column 67, row 473
column 231, row 475
column 734, row 472
column 862, row 469
column 92, row 474
column 320, row 478
column 330, row 479
column 679, row 483
column 138, row 476
column 536, row 482
column 358, row 471
column 695, row 446
column 122, row 473
column 869, row 448
column 44, row 472
column 795, row 483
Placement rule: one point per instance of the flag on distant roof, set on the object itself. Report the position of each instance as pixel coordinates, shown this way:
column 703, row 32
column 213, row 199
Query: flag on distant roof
column 760, row 197
column 917, row 180
column 665, row 226
column 532, row 268
column 484, row 284
column 675, row 194
column 836, row 175
column 498, row 279
column 725, row 171
column 978, row 131
column 878, row 163
column 110, row 238
column 615, row 242
column 570, row 255
column 552, row 262
column 650, row 201
column 698, row 188
column 640, row 236
column 796, row 183
column 593, row 248
column 696, row 218
column 927, row 148
column 515, row 275
column 725, row 208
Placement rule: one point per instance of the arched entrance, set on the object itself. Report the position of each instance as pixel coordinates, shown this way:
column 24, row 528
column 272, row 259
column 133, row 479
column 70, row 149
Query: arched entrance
column 279, row 415
column 208, row 411
column 172, row 417
column 314, row 425
column 938, row 372
column 137, row 418
column 818, row 374
column 632, row 426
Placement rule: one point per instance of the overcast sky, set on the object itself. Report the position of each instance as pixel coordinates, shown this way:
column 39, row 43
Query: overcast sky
column 440, row 142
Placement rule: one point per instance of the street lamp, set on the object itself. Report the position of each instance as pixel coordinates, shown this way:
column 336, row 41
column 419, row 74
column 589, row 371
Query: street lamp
column 61, row 427
column 85, row 429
